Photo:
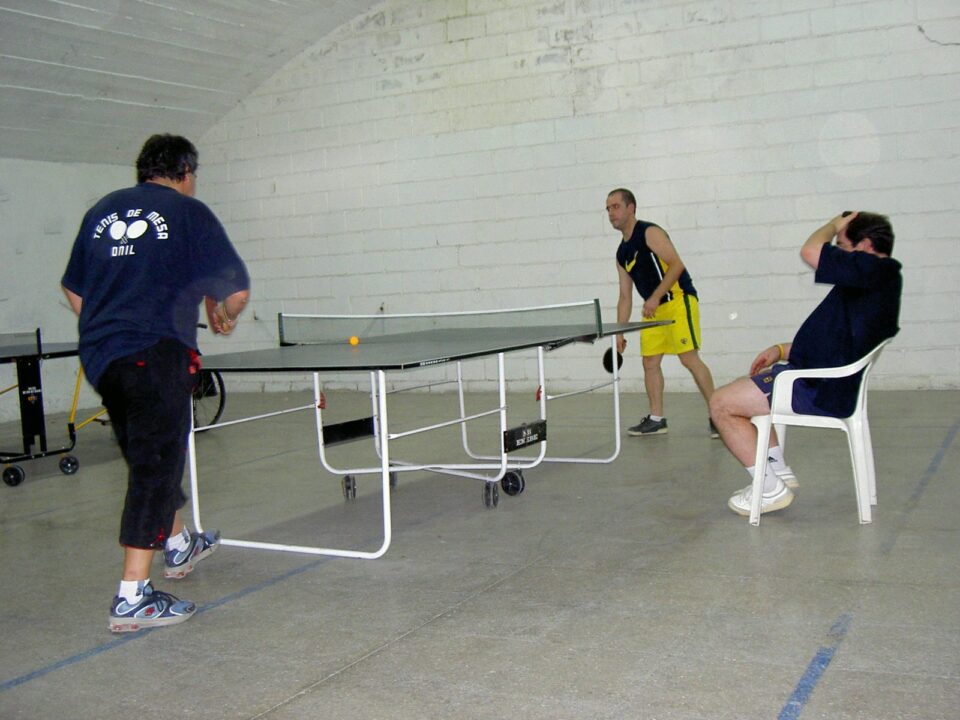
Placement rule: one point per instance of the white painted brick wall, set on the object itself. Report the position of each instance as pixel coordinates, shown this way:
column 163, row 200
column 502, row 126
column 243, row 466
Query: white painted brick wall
column 454, row 155
column 41, row 205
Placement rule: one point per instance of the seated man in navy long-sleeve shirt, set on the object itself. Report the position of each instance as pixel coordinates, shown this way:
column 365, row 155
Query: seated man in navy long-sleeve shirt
column 859, row 312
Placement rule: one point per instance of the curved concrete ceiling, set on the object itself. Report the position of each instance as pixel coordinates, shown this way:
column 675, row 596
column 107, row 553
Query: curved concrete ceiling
column 87, row 80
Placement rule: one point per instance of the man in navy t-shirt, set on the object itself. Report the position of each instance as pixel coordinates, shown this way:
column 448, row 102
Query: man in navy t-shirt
column 144, row 259
column 859, row 312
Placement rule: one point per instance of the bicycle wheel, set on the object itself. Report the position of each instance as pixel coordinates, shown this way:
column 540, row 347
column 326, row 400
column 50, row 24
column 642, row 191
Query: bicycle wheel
column 209, row 397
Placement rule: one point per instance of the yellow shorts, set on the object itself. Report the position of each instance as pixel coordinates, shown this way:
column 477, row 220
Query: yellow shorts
column 680, row 337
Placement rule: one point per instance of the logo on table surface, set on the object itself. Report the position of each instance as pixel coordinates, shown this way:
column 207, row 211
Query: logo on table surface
column 131, row 227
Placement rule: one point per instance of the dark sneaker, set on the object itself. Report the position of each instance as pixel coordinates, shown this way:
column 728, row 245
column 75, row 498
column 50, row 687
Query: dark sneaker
column 179, row 563
column 648, row 427
column 154, row 609
column 714, row 433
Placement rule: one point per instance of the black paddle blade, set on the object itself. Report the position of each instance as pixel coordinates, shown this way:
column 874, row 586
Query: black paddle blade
column 608, row 360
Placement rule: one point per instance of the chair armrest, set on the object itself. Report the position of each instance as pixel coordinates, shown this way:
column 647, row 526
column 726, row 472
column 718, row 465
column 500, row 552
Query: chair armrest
column 782, row 395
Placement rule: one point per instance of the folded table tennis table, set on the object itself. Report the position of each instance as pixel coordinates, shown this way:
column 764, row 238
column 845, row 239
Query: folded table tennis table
column 27, row 351
column 391, row 344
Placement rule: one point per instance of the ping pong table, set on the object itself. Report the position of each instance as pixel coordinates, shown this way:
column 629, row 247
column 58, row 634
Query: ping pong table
column 391, row 344
column 28, row 352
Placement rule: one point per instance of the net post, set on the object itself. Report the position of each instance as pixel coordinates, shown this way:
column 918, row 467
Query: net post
column 597, row 317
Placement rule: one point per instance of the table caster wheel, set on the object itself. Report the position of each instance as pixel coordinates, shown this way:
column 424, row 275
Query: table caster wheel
column 13, row 475
column 69, row 464
column 513, row 483
column 491, row 494
column 349, row 485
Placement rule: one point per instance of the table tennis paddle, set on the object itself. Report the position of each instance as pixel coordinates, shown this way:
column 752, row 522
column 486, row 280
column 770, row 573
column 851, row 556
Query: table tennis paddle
column 608, row 360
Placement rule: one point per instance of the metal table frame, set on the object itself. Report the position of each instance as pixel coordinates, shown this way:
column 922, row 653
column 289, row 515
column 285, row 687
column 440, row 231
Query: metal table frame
column 489, row 468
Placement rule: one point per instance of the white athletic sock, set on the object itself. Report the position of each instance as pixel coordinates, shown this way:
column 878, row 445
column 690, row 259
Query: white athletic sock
column 180, row 541
column 132, row 590
column 656, row 418
column 770, row 480
column 775, row 457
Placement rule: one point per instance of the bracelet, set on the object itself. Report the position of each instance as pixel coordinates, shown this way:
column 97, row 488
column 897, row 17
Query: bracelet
column 780, row 348
column 226, row 315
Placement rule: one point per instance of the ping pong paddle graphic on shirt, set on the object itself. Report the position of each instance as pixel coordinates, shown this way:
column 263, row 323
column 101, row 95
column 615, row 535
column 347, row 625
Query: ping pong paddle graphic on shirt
column 608, row 360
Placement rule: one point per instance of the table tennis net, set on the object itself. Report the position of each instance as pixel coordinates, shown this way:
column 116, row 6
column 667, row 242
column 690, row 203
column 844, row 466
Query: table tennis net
column 298, row 329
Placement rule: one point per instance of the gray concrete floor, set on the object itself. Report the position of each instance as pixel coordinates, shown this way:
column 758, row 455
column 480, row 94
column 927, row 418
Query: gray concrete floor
column 625, row 590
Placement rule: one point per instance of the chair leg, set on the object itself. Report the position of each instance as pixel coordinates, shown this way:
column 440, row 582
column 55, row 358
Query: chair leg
column 763, row 424
column 868, row 453
column 861, row 478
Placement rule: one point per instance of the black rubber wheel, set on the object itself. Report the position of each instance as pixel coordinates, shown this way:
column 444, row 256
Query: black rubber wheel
column 349, row 485
column 13, row 475
column 393, row 481
column 69, row 464
column 491, row 494
column 209, row 398
column 513, row 483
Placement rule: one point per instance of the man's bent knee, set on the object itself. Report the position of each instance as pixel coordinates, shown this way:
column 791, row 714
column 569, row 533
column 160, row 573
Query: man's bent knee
column 741, row 398
column 718, row 402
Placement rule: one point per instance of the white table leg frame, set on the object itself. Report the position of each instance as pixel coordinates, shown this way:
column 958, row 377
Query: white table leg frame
column 498, row 464
column 523, row 463
column 383, row 438
column 387, row 531
column 495, row 470
column 397, row 465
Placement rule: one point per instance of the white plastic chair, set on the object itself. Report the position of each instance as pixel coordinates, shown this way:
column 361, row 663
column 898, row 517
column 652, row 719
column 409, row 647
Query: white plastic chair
column 856, row 427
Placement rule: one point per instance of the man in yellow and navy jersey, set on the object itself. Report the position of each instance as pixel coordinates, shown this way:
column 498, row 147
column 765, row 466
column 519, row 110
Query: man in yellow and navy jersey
column 647, row 260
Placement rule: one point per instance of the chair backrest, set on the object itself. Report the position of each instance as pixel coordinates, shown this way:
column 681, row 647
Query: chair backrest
column 781, row 398
column 867, row 362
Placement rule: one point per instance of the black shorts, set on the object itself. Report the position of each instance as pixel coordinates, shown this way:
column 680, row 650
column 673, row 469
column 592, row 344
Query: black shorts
column 148, row 397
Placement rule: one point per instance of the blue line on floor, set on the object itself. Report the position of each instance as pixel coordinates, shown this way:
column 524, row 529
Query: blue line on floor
column 791, row 711
column 816, row 668
column 113, row 644
column 935, row 463
column 66, row 662
column 932, row 469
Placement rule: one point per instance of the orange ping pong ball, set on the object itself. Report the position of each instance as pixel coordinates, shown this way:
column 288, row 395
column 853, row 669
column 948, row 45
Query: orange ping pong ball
column 354, row 340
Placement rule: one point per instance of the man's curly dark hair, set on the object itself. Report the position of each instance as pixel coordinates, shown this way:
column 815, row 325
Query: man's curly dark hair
column 874, row 226
column 166, row 156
